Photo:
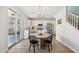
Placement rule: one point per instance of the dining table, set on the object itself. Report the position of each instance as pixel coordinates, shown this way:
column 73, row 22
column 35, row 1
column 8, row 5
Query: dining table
column 42, row 37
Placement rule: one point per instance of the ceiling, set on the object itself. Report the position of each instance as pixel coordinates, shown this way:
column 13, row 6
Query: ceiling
column 42, row 11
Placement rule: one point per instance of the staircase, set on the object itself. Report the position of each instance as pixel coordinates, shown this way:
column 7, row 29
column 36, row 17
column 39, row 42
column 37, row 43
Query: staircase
column 68, row 32
column 73, row 20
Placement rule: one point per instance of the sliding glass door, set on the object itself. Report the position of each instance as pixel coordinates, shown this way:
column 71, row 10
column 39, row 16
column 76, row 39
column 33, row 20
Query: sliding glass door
column 15, row 27
column 11, row 27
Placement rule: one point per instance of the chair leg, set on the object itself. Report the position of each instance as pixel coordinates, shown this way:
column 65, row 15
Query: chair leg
column 38, row 46
column 49, row 48
column 44, row 46
column 29, row 47
column 34, row 48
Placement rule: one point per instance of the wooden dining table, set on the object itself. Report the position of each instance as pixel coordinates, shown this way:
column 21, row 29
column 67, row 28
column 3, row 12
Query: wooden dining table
column 42, row 37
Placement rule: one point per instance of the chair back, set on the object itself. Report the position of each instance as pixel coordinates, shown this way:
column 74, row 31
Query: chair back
column 50, row 37
column 32, row 38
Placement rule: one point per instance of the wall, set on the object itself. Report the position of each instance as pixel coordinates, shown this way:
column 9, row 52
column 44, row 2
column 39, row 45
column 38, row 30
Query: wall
column 3, row 29
column 44, row 22
column 67, row 34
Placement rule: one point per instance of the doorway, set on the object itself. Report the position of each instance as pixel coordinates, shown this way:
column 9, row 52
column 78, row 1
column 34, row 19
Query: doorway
column 14, row 32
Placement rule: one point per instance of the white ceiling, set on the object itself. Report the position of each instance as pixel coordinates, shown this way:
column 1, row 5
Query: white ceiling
column 45, row 11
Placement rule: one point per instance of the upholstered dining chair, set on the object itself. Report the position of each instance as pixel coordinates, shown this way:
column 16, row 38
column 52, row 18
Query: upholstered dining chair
column 48, row 42
column 33, row 43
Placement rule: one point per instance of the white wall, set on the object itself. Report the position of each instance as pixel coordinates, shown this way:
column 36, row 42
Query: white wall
column 44, row 22
column 67, row 34
column 3, row 29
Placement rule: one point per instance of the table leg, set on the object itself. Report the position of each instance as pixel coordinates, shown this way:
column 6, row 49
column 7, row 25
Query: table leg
column 41, row 43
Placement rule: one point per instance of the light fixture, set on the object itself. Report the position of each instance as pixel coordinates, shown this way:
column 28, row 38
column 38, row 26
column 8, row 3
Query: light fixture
column 39, row 12
column 39, row 15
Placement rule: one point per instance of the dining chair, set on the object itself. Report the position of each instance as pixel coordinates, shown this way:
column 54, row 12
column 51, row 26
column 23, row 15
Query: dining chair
column 48, row 42
column 33, row 43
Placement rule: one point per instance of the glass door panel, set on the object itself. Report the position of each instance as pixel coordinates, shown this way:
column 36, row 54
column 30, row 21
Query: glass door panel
column 11, row 28
column 18, row 28
column 21, row 28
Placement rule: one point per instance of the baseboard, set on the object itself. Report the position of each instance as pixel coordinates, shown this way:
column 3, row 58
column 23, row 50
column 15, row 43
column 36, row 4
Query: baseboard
column 75, row 51
column 5, row 51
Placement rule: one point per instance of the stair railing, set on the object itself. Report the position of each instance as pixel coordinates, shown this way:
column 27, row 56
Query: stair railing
column 73, row 20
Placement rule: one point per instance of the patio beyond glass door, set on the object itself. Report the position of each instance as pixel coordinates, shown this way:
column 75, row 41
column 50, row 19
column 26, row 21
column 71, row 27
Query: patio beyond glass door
column 11, row 28
column 14, row 32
